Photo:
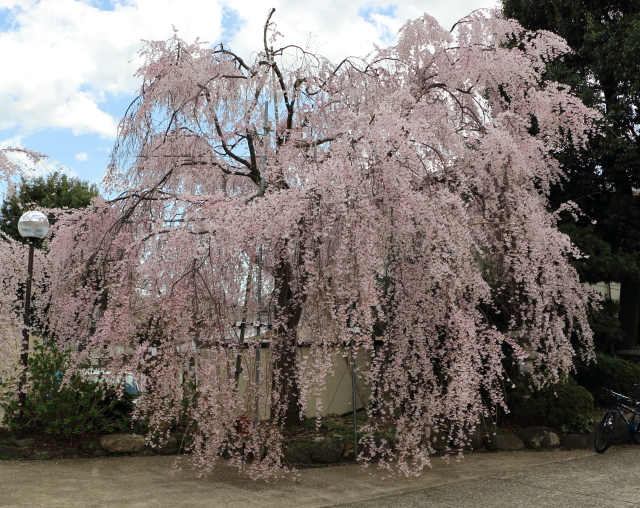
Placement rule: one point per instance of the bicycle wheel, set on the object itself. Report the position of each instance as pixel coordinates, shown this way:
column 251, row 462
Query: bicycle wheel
column 604, row 434
column 635, row 420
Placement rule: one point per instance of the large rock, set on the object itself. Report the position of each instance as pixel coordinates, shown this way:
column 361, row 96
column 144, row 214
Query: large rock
column 325, row 451
column 476, row 438
column 25, row 442
column 379, row 448
column 473, row 440
column 438, row 440
column 297, row 455
column 540, row 437
column 11, row 452
column 168, row 446
column 349, row 455
column 572, row 441
column 507, row 441
column 122, row 443
column 46, row 454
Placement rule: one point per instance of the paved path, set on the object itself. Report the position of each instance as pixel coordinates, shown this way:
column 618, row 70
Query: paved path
column 514, row 480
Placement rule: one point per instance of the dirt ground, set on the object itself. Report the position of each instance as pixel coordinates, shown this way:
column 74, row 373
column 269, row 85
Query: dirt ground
column 145, row 482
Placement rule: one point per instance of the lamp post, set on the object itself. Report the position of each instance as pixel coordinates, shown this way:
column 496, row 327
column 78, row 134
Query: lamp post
column 354, row 400
column 31, row 225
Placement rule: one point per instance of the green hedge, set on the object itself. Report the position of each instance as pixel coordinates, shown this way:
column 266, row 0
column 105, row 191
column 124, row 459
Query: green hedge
column 608, row 372
column 565, row 405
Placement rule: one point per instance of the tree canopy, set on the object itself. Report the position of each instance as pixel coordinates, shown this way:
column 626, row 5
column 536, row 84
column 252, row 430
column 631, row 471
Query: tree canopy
column 51, row 191
column 604, row 178
column 405, row 192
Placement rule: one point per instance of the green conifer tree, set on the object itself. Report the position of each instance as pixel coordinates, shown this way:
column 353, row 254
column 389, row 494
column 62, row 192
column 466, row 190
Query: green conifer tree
column 55, row 190
column 604, row 72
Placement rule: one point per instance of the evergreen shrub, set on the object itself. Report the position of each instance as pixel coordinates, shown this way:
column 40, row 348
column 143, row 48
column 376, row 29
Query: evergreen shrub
column 67, row 411
column 565, row 405
column 608, row 372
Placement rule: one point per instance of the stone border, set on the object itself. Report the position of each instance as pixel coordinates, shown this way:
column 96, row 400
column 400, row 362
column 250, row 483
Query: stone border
column 323, row 450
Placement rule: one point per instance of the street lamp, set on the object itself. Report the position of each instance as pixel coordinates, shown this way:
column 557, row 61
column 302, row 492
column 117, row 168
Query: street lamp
column 31, row 225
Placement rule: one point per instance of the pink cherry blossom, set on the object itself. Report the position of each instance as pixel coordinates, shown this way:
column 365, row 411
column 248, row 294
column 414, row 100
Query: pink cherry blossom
column 402, row 191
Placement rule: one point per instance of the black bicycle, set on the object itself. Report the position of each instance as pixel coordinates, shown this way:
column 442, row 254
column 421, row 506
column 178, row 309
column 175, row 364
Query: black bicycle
column 607, row 427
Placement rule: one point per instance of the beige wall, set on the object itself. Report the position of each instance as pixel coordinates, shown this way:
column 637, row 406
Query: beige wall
column 335, row 393
column 607, row 289
column 33, row 342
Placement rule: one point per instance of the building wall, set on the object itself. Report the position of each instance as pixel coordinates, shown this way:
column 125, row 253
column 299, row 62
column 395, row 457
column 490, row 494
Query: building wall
column 608, row 290
column 335, row 394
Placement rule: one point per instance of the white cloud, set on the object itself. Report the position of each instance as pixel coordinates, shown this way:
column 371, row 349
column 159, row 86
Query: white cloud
column 65, row 55
column 339, row 29
column 12, row 142
column 81, row 157
column 62, row 58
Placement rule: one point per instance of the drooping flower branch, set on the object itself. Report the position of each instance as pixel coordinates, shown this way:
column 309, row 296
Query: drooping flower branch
column 403, row 194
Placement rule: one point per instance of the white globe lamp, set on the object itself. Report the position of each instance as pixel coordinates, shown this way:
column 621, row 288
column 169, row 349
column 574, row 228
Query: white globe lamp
column 33, row 224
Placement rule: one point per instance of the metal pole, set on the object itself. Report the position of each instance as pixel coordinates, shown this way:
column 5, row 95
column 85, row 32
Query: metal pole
column 255, row 415
column 354, row 402
column 24, row 350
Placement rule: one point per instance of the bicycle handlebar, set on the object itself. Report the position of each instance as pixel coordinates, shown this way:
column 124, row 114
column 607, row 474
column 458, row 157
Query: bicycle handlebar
column 619, row 396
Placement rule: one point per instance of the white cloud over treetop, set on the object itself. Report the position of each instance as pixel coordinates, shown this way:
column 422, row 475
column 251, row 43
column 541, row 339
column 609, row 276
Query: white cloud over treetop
column 62, row 58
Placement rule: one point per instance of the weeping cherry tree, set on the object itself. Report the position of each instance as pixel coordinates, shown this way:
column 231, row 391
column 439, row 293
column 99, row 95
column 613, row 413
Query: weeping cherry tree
column 404, row 193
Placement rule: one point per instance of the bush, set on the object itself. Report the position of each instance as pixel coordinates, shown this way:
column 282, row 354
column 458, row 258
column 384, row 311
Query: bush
column 68, row 411
column 565, row 405
column 606, row 326
column 608, row 372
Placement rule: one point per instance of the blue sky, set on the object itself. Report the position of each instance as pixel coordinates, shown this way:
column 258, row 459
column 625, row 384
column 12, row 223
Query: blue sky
column 72, row 61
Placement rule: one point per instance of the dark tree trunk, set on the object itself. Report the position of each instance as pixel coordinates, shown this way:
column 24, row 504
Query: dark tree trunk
column 629, row 312
column 284, row 345
column 245, row 308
